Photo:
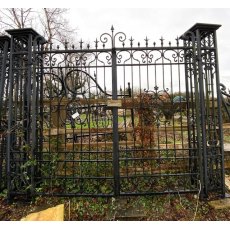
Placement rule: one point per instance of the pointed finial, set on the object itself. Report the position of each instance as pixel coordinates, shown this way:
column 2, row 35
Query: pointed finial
column 112, row 28
column 66, row 45
column 96, row 43
column 81, row 42
column 146, row 41
column 177, row 41
column 131, row 41
column 162, row 41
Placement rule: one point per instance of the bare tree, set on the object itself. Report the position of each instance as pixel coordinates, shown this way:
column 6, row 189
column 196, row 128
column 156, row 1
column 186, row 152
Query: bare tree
column 15, row 18
column 51, row 23
column 55, row 26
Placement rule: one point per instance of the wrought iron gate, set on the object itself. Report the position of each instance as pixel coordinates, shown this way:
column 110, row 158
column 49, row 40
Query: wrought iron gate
column 111, row 119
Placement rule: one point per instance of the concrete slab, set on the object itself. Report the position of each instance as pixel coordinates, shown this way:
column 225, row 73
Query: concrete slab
column 220, row 204
column 51, row 214
column 227, row 182
column 127, row 212
column 131, row 214
column 227, row 147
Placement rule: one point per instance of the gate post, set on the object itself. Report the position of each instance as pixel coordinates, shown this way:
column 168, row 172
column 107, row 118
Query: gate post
column 205, row 58
column 23, row 118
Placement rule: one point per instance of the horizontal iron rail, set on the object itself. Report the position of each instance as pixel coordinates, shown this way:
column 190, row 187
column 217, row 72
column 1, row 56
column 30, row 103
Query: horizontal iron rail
column 157, row 175
column 121, row 159
column 102, row 195
column 102, row 131
column 63, row 51
column 176, row 191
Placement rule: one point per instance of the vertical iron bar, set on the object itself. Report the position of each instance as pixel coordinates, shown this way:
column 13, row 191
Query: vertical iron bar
column 33, row 66
column 132, row 111
column 8, row 148
column 197, row 112
column 41, row 115
column 202, row 111
column 187, row 60
column 28, row 90
column 220, row 124
column 115, row 126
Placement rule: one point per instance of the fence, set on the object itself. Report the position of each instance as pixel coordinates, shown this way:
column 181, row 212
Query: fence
column 117, row 118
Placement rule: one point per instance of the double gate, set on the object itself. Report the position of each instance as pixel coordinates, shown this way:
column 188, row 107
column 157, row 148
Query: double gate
column 116, row 117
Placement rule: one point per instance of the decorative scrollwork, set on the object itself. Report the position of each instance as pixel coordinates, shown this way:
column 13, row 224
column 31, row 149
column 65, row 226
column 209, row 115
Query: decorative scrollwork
column 223, row 90
column 121, row 37
column 225, row 97
column 189, row 38
column 208, row 41
column 105, row 37
column 76, row 81
column 49, row 60
column 146, row 57
column 178, row 56
column 81, row 60
column 20, row 43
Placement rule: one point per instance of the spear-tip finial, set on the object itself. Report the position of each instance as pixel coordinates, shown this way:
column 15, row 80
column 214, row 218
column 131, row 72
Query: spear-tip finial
column 146, row 41
column 96, row 43
column 66, row 44
column 131, row 41
column 162, row 40
column 177, row 41
column 81, row 43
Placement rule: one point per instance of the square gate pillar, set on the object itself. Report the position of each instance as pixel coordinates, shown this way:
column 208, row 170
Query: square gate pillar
column 23, row 102
column 205, row 73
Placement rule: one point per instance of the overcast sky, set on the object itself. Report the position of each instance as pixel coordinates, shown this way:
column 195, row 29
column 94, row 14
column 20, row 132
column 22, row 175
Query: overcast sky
column 141, row 18
column 154, row 23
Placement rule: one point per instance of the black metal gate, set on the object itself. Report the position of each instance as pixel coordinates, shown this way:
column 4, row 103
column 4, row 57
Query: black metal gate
column 117, row 118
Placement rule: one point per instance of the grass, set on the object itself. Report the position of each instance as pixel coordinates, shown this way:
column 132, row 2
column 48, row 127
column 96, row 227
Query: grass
column 150, row 208
column 90, row 123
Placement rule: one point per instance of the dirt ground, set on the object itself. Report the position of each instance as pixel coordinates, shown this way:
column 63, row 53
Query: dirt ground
column 147, row 208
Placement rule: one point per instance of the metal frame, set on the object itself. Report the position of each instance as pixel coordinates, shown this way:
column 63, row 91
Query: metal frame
column 209, row 133
column 72, row 132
